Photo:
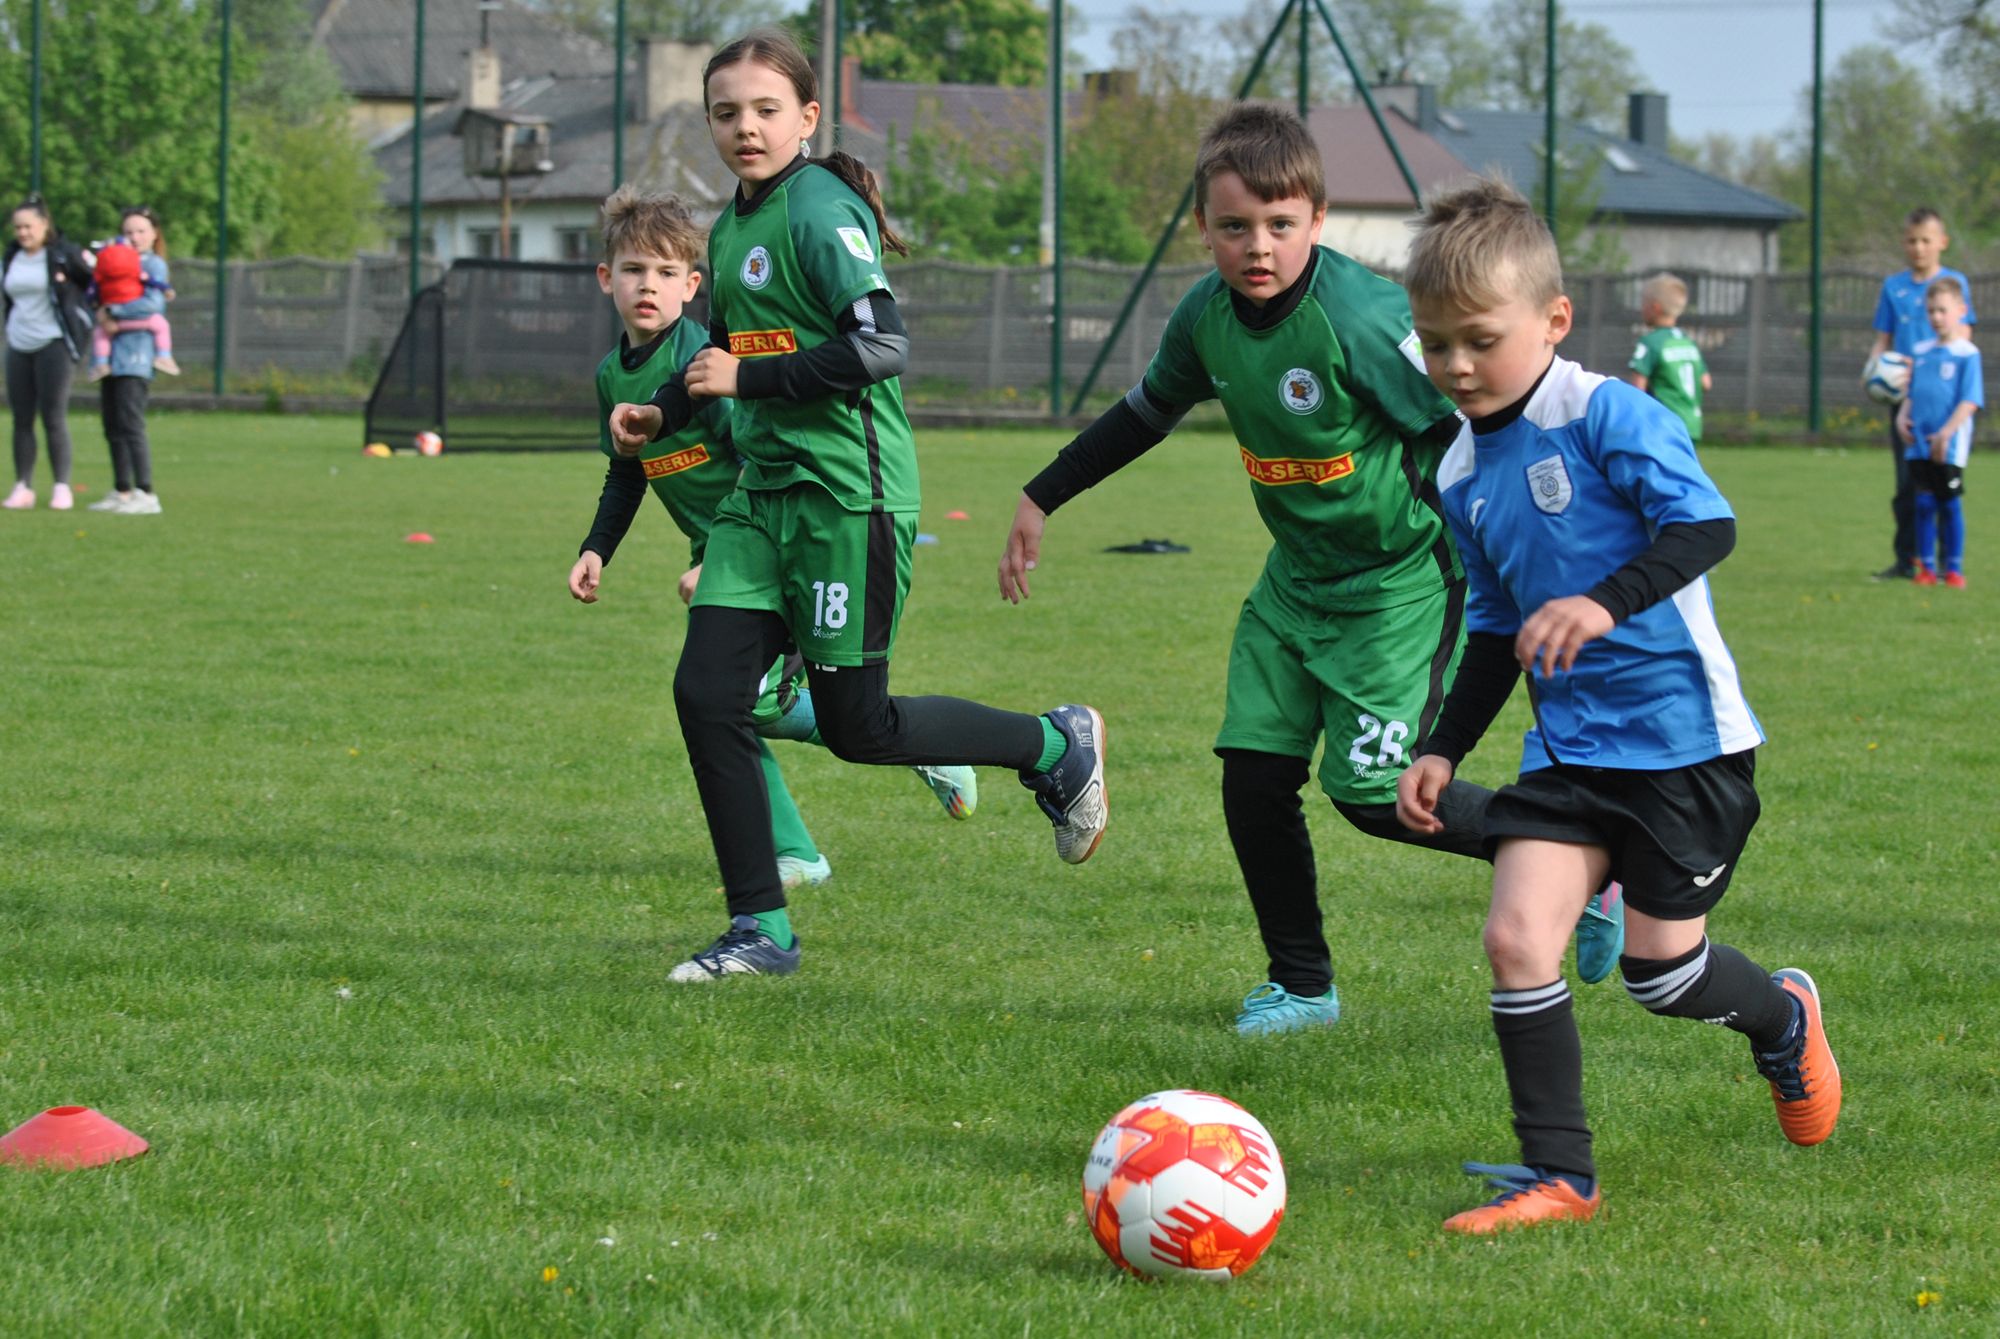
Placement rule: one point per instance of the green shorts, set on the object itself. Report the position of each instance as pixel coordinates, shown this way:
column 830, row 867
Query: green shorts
column 1370, row 681
column 837, row 577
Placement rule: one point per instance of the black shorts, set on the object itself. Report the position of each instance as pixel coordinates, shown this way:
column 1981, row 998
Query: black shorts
column 1941, row 481
column 1674, row 836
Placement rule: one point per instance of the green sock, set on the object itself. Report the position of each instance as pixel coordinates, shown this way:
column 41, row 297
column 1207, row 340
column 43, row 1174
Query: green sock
column 1053, row 746
column 778, row 925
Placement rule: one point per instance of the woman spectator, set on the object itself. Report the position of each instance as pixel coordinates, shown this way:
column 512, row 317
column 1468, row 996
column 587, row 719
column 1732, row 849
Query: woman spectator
column 123, row 394
column 48, row 326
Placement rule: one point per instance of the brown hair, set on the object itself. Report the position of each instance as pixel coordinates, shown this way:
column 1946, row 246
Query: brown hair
column 1269, row 147
column 649, row 223
column 1667, row 292
column 1921, row 215
column 1471, row 242
column 775, row 49
column 1944, row 283
column 146, row 212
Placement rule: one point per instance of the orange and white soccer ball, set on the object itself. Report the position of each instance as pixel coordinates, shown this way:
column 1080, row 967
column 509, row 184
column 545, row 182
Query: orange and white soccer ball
column 1184, row 1184
column 429, row 444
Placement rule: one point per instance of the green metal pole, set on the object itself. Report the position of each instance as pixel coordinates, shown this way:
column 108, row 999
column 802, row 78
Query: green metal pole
column 222, row 213
column 417, row 161
column 618, row 102
column 839, row 59
column 1818, row 161
column 1174, row 223
column 1368, row 101
column 35, row 101
column 1305, row 63
column 1056, row 231
column 1550, row 166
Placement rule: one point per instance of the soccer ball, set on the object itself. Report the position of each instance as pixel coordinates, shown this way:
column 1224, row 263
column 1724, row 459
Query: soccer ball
column 429, row 444
column 1887, row 377
column 1184, row 1184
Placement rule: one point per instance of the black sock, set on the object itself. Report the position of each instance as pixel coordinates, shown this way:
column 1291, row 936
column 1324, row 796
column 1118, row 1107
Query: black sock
column 1267, row 826
column 1543, row 1056
column 1714, row 984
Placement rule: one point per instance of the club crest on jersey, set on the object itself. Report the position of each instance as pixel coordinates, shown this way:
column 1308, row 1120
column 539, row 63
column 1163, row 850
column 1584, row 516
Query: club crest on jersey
column 1548, row 484
column 857, row 244
column 1299, row 391
column 757, row 268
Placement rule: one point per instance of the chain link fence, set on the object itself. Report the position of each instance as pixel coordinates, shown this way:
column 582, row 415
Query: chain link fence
column 313, row 334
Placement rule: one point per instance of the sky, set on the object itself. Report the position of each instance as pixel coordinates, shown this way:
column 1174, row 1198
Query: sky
column 1733, row 66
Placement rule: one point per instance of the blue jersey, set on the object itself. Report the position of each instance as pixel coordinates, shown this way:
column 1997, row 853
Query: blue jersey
column 1899, row 312
column 1944, row 375
column 1552, row 504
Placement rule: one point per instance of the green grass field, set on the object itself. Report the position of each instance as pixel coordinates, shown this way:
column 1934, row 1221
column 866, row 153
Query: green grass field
column 347, row 871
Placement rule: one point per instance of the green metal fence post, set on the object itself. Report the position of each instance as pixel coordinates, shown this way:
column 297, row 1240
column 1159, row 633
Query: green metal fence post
column 417, row 161
column 1056, row 232
column 35, row 100
column 618, row 101
column 222, row 214
column 1550, row 165
column 1818, row 160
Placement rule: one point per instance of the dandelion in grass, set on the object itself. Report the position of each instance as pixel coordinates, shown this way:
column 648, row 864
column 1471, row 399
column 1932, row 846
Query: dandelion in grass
column 550, row 1274
column 1928, row 1298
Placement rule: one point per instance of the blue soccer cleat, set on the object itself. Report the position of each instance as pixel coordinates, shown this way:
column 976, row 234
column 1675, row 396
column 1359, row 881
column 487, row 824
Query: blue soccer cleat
column 1271, row 1009
column 743, row 950
column 1600, row 934
column 1072, row 792
column 956, row 788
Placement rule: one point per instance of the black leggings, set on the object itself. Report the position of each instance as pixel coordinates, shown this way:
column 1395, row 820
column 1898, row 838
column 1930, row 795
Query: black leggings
column 38, row 383
column 123, row 403
column 722, row 663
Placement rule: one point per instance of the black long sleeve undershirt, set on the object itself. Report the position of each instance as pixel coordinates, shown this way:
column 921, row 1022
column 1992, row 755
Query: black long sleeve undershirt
column 624, row 493
column 1487, row 671
column 1116, row 438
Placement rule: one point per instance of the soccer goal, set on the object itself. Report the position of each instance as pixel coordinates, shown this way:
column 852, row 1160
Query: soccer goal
column 498, row 355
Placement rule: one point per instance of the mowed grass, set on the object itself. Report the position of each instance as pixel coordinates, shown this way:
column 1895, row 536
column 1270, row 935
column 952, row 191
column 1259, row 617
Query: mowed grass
column 347, row 870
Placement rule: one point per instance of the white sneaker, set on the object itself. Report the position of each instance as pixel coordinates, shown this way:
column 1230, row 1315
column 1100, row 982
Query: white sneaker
column 109, row 502
column 794, row 872
column 60, row 498
column 22, row 498
column 140, row 504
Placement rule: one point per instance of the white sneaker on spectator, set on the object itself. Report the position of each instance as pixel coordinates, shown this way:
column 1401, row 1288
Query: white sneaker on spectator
column 22, row 498
column 60, row 498
column 140, row 504
column 109, row 502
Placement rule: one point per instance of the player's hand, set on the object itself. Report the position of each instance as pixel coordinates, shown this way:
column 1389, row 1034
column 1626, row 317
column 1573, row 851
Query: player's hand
column 1558, row 630
column 634, row 425
column 712, row 373
column 585, row 577
column 1417, row 791
column 1940, row 443
column 1024, row 547
column 1904, row 432
column 689, row 579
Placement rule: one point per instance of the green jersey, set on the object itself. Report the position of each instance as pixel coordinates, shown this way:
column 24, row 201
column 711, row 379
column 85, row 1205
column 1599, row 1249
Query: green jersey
column 1333, row 417
column 1673, row 368
column 782, row 272
column 692, row 470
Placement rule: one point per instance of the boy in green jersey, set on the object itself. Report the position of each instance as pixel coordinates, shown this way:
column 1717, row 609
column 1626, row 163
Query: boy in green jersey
column 651, row 246
column 1668, row 365
column 1354, row 628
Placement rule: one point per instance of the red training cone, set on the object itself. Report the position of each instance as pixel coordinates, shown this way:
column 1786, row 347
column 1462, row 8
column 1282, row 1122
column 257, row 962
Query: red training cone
column 418, row 537
column 69, row 1137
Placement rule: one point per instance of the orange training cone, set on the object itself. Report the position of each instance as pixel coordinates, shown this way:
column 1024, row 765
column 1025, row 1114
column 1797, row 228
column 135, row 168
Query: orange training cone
column 69, row 1137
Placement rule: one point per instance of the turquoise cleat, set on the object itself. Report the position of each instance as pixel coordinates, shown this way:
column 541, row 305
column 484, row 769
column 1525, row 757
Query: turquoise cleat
column 1600, row 934
column 956, row 788
column 1271, row 1008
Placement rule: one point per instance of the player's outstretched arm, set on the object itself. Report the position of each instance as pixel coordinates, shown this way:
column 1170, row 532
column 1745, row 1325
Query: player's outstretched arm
column 1024, row 549
column 1417, row 791
column 586, row 576
column 634, row 425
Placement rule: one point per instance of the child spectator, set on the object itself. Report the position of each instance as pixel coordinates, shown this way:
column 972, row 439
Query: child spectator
column 1586, row 525
column 1668, row 365
column 1947, row 388
column 1901, row 324
column 121, row 276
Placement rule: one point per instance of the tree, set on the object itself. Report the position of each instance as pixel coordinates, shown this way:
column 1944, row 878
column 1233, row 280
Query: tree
column 676, row 20
column 1887, row 147
column 944, row 41
column 1594, row 70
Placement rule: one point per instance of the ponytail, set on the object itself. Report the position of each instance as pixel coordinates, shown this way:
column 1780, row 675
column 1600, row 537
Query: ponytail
column 861, row 181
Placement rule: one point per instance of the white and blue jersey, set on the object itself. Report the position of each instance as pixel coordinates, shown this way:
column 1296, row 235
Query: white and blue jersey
column 1900, row 314
column 1553, row 503
column 1945, row 374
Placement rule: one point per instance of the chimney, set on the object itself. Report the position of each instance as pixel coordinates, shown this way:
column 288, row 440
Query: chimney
column 1418, row 103
column 1101, row 85
column 850, row 89
column 670, row 73
column 1646, row 120
column 482, row 78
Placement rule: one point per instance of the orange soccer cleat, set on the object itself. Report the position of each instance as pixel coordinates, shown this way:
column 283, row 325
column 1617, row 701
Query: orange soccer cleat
column 1527, row 1197
column 1805, row 1081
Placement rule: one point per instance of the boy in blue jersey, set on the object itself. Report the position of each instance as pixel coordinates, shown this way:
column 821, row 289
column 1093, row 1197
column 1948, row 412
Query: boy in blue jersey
column 1947, row 388
column 1585, row 524
column 1901, row 324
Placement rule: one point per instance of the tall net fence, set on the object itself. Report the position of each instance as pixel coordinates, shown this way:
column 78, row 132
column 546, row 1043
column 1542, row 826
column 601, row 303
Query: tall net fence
column 518, row 341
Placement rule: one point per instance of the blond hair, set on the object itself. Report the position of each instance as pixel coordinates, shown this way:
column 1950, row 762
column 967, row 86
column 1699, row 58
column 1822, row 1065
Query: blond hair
column 1667, row 292
column 1944, row 283
column 651, row 224
column 1480, row 246
column 1269, row 147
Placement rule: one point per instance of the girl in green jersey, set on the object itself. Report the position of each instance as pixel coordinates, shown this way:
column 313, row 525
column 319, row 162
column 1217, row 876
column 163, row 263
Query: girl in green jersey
column 813, row 547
